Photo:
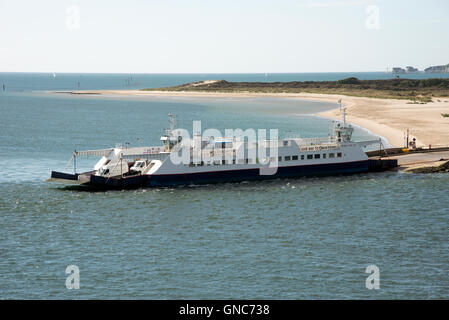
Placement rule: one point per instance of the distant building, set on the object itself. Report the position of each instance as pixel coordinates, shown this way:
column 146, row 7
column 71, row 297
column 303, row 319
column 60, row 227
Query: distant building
column 410, row 69
column 437, row 69
column 398, row 71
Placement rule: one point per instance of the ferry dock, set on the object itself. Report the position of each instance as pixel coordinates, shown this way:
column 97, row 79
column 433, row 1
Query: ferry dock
column 415, row 161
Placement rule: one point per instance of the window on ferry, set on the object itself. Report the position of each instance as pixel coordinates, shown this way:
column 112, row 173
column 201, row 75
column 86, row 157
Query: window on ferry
column 339, row 155
column 324, row 156
column 309, row 156
column 246, row 160
column 302, row 157
column 279, row 159
column 272, row 159
column 295, row 158
column 317, row 156
column 223, row 161
column 331, row 155
column 217, row 162
column 287, row 158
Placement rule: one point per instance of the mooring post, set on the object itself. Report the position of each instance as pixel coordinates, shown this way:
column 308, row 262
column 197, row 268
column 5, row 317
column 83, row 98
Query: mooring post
column 407, row 138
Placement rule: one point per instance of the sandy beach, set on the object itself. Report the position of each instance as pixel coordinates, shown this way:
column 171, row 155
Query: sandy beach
column 384, row 117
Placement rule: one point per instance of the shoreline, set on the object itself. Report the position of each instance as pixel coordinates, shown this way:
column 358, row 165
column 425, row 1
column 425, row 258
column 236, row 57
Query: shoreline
column 386, row 118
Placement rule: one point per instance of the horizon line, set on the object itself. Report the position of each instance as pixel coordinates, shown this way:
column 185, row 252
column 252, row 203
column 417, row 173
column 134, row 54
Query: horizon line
column 290, row 72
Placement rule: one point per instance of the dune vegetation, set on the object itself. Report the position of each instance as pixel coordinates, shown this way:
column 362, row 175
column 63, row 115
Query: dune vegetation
column 416, row 90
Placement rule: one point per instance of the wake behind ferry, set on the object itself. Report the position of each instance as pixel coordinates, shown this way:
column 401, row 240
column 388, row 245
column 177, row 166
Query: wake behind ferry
column 220, row 160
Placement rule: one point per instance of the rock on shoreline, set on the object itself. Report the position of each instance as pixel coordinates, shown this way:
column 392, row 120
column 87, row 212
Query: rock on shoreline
column 431, row 168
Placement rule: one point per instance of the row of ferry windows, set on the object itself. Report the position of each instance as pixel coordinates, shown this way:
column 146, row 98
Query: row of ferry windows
column 218, row 162
column 286, row 158
column 311, row 156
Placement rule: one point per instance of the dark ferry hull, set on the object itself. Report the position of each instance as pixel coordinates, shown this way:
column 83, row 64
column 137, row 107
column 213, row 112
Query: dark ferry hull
column 159, row 180
column 130, row 182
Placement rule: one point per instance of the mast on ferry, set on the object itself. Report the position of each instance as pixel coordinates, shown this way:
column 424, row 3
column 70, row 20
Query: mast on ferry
column 343, row 131
column 170, row 138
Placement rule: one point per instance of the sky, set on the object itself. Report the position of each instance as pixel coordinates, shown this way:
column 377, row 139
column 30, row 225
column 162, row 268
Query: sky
column 227, row 36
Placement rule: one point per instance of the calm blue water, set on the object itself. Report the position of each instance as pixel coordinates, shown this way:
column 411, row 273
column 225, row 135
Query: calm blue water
column 285, row 239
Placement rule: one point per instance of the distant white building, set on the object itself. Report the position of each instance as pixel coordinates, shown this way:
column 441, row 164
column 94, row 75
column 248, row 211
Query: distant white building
column 437, row 69
column 408, row 69
column 411, row 69
column 398, row 71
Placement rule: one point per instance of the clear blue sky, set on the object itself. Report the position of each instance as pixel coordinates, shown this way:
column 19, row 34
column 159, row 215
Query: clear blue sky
column 222, row 36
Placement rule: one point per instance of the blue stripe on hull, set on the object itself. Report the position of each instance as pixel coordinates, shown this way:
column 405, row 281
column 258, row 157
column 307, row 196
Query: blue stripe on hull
column 253, row 174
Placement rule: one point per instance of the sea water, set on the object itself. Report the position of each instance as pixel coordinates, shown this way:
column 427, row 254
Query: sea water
column 281, row 239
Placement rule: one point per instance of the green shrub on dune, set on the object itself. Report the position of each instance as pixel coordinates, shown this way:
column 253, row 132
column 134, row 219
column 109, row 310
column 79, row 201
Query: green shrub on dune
column 417, row 90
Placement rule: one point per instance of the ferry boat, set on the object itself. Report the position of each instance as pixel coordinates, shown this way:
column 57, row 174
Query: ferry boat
column 220, row 160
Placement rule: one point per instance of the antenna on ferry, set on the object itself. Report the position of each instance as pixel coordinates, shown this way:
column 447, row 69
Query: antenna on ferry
column 339, row 101
column 74, row 161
